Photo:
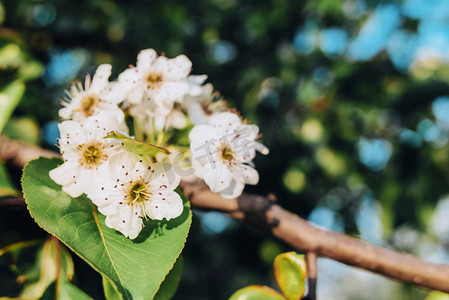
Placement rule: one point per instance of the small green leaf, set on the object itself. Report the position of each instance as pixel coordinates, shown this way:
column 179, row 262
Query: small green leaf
column 34, row 265
column 290, row 273
column 437, row 296
column 110, row 290
column 19, row 261
column 6, row 186
column 10, row 96
column 30, row 70
column 137, row 267
column 25, row 129
column 256, row 292
column 136, row 146
column 170, row 285
column 48, row 269
column 66, row 290
column 11, row 56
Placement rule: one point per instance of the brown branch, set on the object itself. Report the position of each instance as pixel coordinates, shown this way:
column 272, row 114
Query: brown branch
column 312, row 274
column 263, row 213
column 12, row 202
column 20, row 153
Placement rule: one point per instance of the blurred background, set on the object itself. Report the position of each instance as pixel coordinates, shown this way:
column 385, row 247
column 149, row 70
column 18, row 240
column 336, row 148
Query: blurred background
column 352, row 98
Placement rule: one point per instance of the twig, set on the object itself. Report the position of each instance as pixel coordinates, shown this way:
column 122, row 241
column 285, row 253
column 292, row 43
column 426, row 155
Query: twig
column 263, row 213
column 12, row 202
column 312, row 275
column 20, row 153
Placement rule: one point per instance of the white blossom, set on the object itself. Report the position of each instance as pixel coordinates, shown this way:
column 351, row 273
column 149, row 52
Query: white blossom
column 132, row 190
column 156, row 83
column 97, row 96
column 201, row 101
column 222, row 151
column 84, row 150
column 195, row 84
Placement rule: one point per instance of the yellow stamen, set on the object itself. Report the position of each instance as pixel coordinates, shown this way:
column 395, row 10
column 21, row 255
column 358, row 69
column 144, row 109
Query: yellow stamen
column 154, row 80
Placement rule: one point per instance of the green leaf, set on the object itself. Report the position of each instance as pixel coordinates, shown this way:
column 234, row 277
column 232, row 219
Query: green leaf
column 110, row 290
column 166, row 291
column 171, row 282
column 66, row 290
column 256, row 292
column 9, row 98
column 137, row 267
column 437, row 296
column 136, row 146
column 290, row 273
column 48, row 269
column 34, row 265
column 25, row 129
column 19, row 265
column 6, row 186
column 30, row 70
column 11, row 56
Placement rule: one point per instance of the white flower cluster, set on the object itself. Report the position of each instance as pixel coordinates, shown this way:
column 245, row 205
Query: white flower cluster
column 222, row 151
column 160, row 97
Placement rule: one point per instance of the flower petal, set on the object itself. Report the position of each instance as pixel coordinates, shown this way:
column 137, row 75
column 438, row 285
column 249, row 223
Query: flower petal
column 195, row 82
column 176, row 119
column 234, row 190
column 227, row 119
column 116, row 93
column 171, row 91
column 72, row 133
column 217, row 176
column 195, row 111
column 163, row 175
column 202, row 137
column 145, row 60
column 66, row 173
column 125, row 221
column 101, row 79
column 198, row 168
column 250, row 175
column 74, row 190
column 168, row 205
column 174, row 69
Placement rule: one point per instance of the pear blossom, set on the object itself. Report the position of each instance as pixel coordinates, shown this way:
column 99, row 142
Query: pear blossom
column 201, row 101
column 156, row 83
column 180, row 160
column 97, row 96
column 222, row 153
column 195, row 84
column 84, row 150
column 132, row 189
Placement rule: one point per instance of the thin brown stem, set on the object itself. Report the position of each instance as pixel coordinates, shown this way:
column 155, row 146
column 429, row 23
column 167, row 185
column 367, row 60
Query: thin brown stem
column 20, row 153
column 12, row 202
column 312, row 275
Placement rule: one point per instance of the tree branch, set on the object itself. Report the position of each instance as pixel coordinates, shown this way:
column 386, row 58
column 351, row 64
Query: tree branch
column 263, row 213
column 20, row 153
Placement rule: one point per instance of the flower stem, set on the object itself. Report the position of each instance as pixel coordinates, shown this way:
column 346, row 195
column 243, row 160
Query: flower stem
column 138, row 129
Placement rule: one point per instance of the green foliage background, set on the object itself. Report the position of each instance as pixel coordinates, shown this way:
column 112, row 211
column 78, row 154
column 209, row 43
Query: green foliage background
column 312, row 127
